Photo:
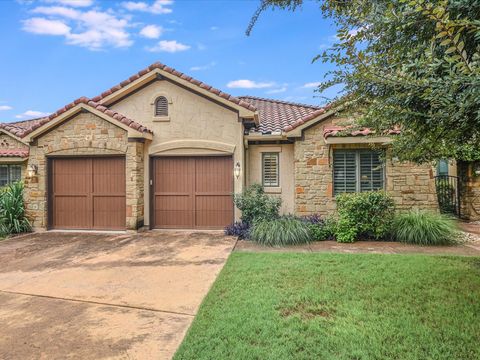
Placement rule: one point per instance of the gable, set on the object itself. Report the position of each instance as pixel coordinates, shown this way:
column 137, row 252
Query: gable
column 160, row 71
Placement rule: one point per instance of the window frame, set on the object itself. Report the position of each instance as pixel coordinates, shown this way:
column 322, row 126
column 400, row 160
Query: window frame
column 9, row 173
column 358, row 180
column 277, row 156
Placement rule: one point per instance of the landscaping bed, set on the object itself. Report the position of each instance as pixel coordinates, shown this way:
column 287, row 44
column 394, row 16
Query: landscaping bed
column 339, row 306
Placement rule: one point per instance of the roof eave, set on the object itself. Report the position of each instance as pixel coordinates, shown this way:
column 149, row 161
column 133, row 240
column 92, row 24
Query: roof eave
column 383, row 140
column 297, row 131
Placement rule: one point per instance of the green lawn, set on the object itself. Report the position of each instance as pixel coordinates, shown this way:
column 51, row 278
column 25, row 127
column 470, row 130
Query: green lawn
column 339, row 306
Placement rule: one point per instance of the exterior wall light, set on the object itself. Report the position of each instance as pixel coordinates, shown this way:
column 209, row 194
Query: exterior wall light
column 237, row 170
column 32, row 170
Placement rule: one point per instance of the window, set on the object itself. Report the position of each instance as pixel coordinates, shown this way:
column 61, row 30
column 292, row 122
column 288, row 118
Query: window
column 442, row 167
column 357, row 170
column 9, row 174
column 270, row 170
column 161, row 106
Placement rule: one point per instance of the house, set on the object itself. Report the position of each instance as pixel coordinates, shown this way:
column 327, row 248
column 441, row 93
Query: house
column 164, row 150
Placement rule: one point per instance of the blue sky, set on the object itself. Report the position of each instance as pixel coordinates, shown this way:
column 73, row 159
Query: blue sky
column 58, row 50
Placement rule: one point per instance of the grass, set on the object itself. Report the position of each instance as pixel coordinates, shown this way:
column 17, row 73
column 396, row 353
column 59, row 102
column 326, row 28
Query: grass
column 339, row 306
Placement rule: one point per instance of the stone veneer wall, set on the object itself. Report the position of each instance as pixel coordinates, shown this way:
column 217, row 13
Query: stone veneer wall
column 469, row 191
column 85, row 134
column 411, row 186
column 8, row 142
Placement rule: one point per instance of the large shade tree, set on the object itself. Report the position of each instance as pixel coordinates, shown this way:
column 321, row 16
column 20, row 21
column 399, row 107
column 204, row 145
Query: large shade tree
column 409, row 64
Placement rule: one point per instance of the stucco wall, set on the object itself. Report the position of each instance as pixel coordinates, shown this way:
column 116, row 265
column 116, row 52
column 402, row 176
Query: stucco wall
column 191, row 117
column 411, row 186
column 85, row 134
column 286, row 189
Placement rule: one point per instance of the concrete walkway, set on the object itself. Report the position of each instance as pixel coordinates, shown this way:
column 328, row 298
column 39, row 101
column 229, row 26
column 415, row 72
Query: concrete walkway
column 373, row 247
column 92, row 296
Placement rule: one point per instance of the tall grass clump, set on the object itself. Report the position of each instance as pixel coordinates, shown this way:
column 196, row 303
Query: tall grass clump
column 12, row 210
column 285, row 230
column 425, row 228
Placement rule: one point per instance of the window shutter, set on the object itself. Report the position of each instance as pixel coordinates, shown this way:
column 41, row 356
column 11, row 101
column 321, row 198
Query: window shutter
column 344, row 171
column 161, row 106
column 371, row 171
column 270, row 170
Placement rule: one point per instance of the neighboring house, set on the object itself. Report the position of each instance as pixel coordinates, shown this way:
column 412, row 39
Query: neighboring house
column 164, row 150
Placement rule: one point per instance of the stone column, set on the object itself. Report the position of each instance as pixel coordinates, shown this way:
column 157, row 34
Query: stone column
column 135, row 184
column 469, row 190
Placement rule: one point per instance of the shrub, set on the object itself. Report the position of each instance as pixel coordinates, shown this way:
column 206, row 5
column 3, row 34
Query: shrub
column 367, row 214
column 320, row 229
column 256, row 205
column 285, row 230
column 425, row 228
column 323, row 231
column 240, row 229
column 12, row 210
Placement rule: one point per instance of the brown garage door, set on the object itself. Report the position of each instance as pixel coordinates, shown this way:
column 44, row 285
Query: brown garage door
column 192, row 192
column 87, row 193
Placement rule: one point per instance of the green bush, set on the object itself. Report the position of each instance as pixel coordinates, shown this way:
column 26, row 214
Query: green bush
column 12, row 210
column 425, row 228
column 256, row 205
column 364, row 215
column 285, row 230
column 324, row 230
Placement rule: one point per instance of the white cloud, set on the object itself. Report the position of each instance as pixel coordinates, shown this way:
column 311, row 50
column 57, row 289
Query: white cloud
column 249, row 84
column 171, row 46
column 277, row 91
column 157, row 7
column 5, row 107
column 213, row 28
column 46, row 27
column 151, row 31
column 31, row 114
column 311, row 85
column 74, row 3
column 57, row 10
column 93, row 29
column 203, row 67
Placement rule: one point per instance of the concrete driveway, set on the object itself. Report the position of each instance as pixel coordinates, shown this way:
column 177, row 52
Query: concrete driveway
column 97, row 296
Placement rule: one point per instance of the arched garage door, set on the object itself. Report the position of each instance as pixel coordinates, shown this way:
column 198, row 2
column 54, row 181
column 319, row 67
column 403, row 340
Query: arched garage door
column 192, row 192
column 87, row 193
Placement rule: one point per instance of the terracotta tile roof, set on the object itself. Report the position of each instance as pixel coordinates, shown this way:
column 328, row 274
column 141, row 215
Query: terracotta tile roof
column 22, row 129
column 277, row 115
column 180, row 75
column 331, row 131
column 23, row 153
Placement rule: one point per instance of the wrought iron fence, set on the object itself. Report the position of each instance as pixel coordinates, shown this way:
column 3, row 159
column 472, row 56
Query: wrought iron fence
column 448, row 194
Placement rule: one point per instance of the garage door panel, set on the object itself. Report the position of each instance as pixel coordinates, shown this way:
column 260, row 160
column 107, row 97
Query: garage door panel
column 213, row 211
column 213, row 174
column 109, row 176
column 175, row 174
column 71, row 177
column 88, row 193
column 192, row 192
column 109, row 212
column 71, row 211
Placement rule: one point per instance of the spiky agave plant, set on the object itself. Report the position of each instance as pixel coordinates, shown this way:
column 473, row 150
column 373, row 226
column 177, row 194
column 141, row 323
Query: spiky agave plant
column 12, row 210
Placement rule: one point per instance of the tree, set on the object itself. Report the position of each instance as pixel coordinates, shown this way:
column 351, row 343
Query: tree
column 412, row 64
